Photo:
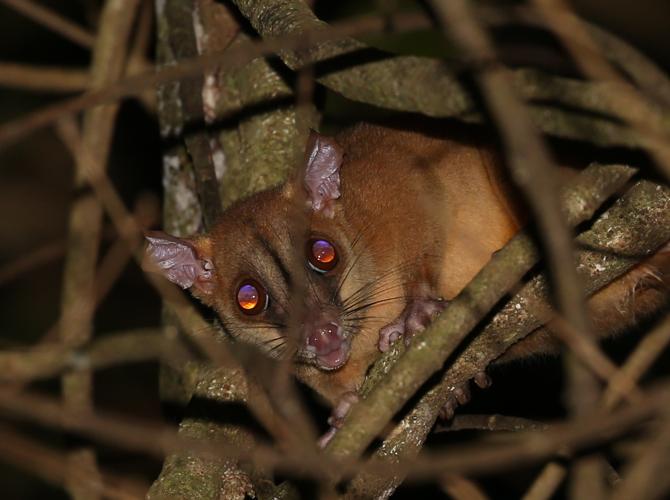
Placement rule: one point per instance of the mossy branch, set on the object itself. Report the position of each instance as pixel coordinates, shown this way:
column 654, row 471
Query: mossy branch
column 248, row 155
column 618, row 240
column 259, row 151
column 432, row 87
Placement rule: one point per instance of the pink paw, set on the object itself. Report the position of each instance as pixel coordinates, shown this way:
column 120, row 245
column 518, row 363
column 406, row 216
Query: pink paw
column 341, row 410
column 416, row 316
column 460, row 395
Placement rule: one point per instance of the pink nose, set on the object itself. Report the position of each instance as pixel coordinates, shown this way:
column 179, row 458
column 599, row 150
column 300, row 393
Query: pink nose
column 327, row 329
column 324, row 338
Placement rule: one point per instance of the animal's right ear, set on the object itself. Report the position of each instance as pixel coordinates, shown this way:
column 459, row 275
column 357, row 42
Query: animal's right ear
column 186, row 262
column 321, row 173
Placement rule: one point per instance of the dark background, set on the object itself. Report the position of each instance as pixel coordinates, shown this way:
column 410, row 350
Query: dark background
column 36, row 187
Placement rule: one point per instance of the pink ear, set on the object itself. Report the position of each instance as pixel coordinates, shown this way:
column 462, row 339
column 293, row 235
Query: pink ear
column 179, row 261
column 322, row 172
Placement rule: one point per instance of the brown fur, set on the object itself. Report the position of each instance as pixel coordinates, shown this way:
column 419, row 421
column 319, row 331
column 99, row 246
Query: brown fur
column 427, row 210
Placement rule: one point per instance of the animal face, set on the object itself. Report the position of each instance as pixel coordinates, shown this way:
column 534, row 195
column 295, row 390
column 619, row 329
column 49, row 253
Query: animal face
column 280, row 269
column 303, row 292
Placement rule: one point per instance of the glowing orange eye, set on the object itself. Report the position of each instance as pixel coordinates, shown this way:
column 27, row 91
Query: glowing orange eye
column 252, row 297
column 321, row 255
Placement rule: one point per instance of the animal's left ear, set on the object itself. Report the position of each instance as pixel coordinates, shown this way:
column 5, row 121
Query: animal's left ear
column 186, row 262
column 323, row 159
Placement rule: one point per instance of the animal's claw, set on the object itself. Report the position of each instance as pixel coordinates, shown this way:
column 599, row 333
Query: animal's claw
column 340, row 411
column 416, row 316
column 482, row 380
column 460, row 395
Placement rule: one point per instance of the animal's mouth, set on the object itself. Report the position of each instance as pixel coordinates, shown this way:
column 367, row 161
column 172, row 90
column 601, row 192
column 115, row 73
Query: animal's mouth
column 328, row 347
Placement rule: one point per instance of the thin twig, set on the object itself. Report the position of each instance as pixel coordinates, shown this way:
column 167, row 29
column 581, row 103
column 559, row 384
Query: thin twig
column 117, row 348
column 590, row 354
column 154, row 439
column 233, row 57
column 85, row 223
column 527, row 448
column 515, row 320
column 647, row 476
column 428, row 354
column 193, row 323
column 532, row 446
column 647, row 351
column 462, row 488
column 51, row 466
column 645, row 73
column 545, row 484
column 29, row 261
column 53, row 21
column 625, row 101
column 535, row 174
column 43, row 78
column 528, row 158
column 494, row 423
column 117, row 257
column 138, row 58
column 452, row 101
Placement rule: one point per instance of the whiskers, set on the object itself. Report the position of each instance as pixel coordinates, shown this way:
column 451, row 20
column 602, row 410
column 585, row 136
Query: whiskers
column 386, row 288
column 372, row 293
column 276, row 347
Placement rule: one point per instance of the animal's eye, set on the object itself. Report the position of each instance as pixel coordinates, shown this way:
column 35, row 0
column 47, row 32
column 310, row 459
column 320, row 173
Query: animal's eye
column 321, row 255
column 252, row 297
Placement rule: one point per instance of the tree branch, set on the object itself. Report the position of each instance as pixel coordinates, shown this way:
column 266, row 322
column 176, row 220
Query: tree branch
column 50, row 360
column 612, row 246
column 52, row 21
column 43, row 78
column 428, row 74
column 428, row 353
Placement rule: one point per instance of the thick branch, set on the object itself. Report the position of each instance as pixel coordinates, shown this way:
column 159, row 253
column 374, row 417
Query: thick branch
column 429, row 352
column 635, row 226
column 429, row 75
column 179, row 19
column 425, row 85
column 254, row 154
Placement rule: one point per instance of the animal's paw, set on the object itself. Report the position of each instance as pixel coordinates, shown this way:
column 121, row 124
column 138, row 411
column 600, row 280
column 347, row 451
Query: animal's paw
column 416, row 316
column 460, row 395
column 341, row 410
